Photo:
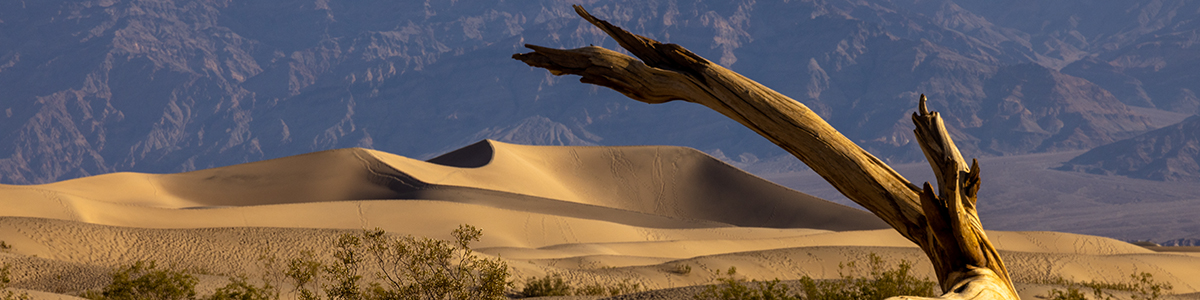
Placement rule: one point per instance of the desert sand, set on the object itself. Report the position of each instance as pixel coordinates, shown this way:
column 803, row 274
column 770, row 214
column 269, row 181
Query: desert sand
column 593, row 214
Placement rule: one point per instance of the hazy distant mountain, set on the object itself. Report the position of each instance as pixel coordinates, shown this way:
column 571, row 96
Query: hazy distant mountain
column 1142, row 51
column 168, row 86
column 1170, row 153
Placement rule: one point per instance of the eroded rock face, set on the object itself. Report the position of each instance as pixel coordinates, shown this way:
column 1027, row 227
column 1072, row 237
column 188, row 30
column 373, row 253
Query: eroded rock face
column 168, row 86
column 1170, row 153
column 1142, row 51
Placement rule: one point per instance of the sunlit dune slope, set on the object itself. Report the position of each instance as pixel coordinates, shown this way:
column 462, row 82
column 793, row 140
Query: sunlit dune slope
column 669, row 181
column 619, row 184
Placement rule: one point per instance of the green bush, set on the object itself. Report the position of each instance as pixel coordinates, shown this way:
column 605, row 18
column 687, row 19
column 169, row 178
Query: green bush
column 624, row 287
column 427, row 269
column 594, row 289
column 732, row 288
column 1142, row 286
column 550, row 285
column 880, row 283
column 681, row 269
column 303, row 273
column 409, row 269
column 344, row 281
column 239, row 289
column 555, row 285
column 143, row 281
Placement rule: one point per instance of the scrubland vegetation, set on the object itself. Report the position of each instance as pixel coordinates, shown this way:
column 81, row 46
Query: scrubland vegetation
column 555, row 285
column 373, row 265
column 1141, row 286
column 878, row 282
column 881, row 282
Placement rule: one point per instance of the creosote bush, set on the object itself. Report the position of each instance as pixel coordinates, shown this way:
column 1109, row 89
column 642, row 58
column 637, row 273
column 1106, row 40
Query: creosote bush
column 143, row 280
column 732, row 288
column 1141, row 286
column 403, row 268
column 555, row 285
column 680, row 269
column 550, row 285
column 879, row 283
column 423, row 268
column 239, row 288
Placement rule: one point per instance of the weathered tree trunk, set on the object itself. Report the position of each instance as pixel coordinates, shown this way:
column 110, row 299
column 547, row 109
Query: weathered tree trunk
column 943, row 222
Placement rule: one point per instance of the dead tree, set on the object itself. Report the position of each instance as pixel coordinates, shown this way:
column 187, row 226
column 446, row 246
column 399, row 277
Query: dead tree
column 943, row 222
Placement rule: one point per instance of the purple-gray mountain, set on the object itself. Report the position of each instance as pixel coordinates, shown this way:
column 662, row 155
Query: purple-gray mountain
column 89, row 87
column 1170, row 153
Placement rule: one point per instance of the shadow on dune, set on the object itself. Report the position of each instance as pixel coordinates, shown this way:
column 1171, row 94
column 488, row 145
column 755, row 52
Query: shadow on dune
column 648, row 186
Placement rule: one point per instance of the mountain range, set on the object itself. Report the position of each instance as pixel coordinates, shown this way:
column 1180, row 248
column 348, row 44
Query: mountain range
column 1171, row 153
column 92, row 87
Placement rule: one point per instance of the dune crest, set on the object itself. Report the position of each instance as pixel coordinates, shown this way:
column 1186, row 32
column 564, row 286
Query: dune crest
column 620, row 184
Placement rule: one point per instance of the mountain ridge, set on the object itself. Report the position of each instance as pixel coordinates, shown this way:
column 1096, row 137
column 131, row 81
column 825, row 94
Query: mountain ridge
column 1170, row 153
column 158, row 86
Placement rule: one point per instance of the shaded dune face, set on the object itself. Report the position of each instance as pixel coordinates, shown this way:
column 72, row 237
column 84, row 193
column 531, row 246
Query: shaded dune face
column 676, row 182
column 647, row 186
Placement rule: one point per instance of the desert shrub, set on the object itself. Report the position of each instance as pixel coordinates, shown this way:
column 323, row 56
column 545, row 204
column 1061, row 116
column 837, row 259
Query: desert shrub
column 427, row 269
column 240, row 289
column 5, row 279
column 343, row 272
column 879, row 283
column 304, row 274
column 555, row 285
column 1072, row 293
column 143, row 280
column 732, row 288
column 5, row 246
column 681, row 269
column 409, row 269
column 338, row 279
column 1142, row 286
column 550, row 285
column 624, row 287
column 596, row 289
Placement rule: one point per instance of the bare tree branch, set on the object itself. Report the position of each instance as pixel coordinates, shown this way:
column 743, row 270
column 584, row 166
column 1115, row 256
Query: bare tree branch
column 944, row 224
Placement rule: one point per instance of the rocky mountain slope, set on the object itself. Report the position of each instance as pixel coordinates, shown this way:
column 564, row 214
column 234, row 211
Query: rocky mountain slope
column 1170, row 153
column 1141, row 51
column 100, row 86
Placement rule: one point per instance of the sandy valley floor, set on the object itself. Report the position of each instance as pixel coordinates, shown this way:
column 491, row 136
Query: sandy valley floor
column 595, row 214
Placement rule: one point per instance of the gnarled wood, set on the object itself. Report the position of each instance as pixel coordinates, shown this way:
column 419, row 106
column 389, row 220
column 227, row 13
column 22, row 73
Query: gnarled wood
column 943, row 223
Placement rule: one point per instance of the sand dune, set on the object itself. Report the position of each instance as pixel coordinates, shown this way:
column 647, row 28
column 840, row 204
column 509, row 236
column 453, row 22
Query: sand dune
column 671, row 182
column 595, row 214
column 668, row 181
